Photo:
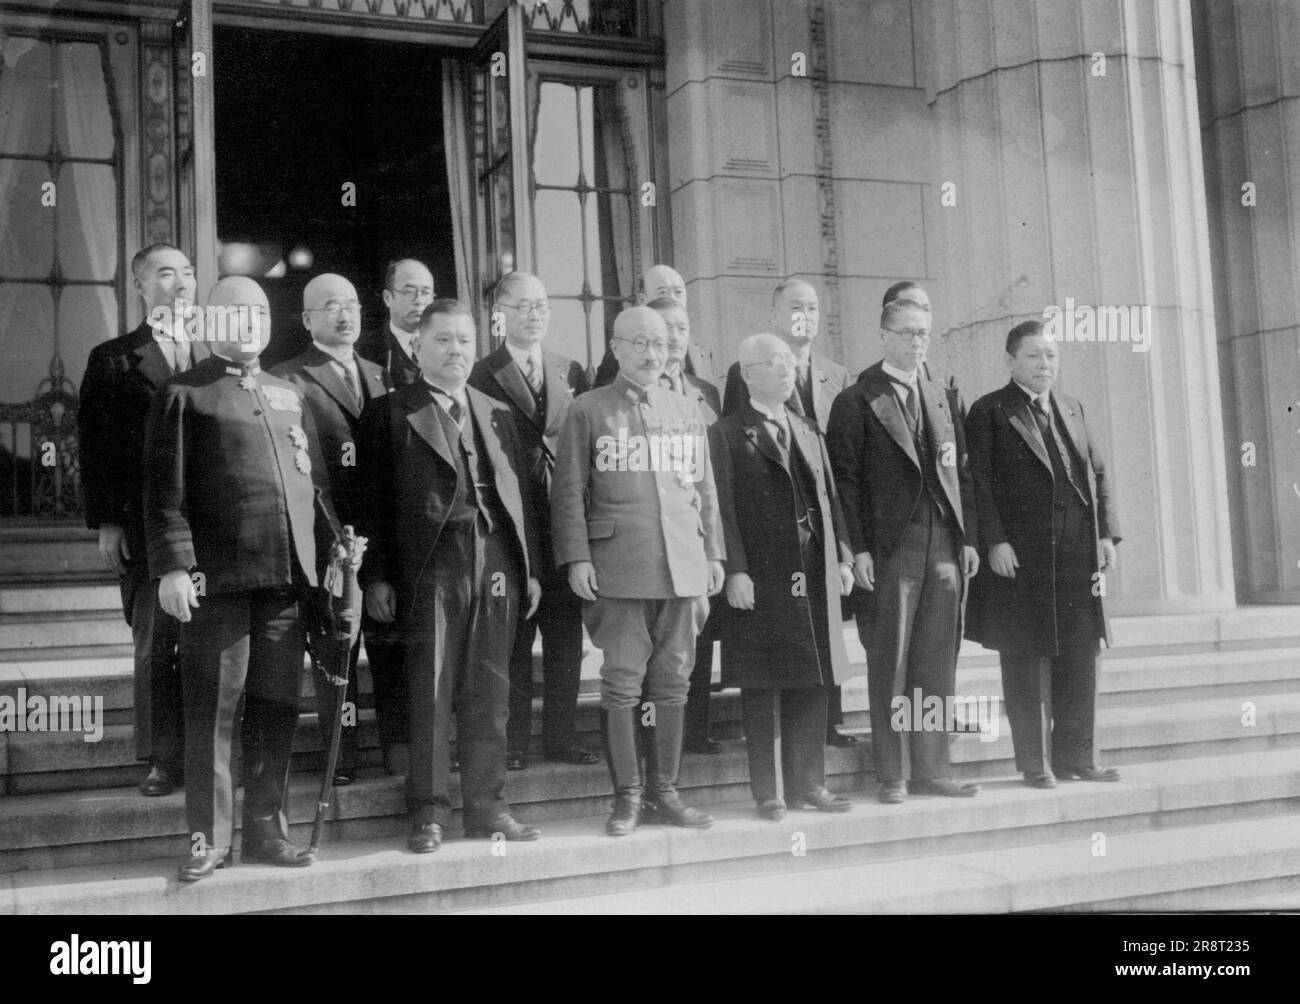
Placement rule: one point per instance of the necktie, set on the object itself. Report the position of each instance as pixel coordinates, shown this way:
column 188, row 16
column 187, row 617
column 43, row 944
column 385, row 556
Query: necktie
column 350, row 379
column 910, row 406
column 781, row 439
column 453, row 406
column 534, row 374
column 182, row 349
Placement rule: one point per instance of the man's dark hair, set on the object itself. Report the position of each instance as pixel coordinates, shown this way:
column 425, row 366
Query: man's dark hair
column 1026, row 329
column 445, row 305
column 390, row 273
column 785, row 284
column 892, row 292
column 141, row 258
column 893, row 307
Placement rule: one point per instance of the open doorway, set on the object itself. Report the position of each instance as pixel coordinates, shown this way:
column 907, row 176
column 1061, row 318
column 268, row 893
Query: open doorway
column 297, row 117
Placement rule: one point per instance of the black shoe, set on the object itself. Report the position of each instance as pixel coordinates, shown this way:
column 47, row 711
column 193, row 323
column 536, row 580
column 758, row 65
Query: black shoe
column 276, row 851
column 507, row 826
column 397, row 759
column 706, row 746
column 840, row 739
column 771, row 808
column 1089, row 773
column 344, row 776
column 159, row 781
column 574, row 754
column 821, row 799
column 893, row 793
column 424, row 838
column 1040, row 780
column 942, row 786
column 202, row 865
column 626, row 815
column 666, row 806
column 516, row 760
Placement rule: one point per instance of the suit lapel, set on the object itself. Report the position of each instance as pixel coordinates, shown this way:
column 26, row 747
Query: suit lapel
column 557, row 391
column 1070, row 427
column 799, row 438
column 372, row 376
column 421, row 413
column 512, row 381
column 758, row 433
column 1016, row 406
column 502, row 473
column 885, row 403
column 153, row 364
column 321, row 369
column 820, row 391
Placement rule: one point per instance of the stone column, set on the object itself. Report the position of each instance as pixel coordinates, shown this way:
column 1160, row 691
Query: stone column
column 1250, row 128
column 1069, row 133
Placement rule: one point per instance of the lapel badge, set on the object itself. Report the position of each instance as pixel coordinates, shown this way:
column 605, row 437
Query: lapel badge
column 302, row 461
column 298, row 437
column 249, row 383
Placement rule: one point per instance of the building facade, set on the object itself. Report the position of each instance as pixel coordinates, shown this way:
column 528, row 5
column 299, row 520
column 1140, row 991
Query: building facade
column 1132, row 163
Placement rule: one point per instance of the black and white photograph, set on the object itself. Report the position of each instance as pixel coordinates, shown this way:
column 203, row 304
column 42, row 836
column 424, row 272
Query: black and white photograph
column 651, row 457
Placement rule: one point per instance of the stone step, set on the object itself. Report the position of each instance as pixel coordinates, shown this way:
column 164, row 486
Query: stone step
column 51, row 554
column 64, row 761
column 23, row 633
column 1223, row 863
column 1168, row 827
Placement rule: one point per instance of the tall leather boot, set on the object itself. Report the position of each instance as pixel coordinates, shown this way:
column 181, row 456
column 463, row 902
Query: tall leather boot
column 663, row 760
column 618, row 731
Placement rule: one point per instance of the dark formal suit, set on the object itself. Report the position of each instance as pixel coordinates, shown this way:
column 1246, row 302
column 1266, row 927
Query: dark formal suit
column 813, row 399
column 122, row 377
column 907, row 500
column 450, row 530
column 237, row 495
column 381, row 347
column 539, row 417
column 336, row 411
column 384, row 641
column 1048, row 497
column 781, row 518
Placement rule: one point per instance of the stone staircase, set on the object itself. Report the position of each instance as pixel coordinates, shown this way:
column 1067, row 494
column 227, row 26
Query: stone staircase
column 1202, row 713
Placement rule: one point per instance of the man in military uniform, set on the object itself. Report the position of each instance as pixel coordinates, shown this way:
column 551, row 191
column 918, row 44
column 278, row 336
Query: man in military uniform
column 635, row 521
column 235, row 531
column 452, row 560
column 122, row 377
column 335, row 384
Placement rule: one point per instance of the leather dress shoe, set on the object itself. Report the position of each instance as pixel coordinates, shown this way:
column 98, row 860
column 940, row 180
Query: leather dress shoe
column 1089, row 773
column 706, row 745
column 573, row 754
column 893, row 792
column 820, row 798
column 397, row 759
column 942, row 786
column 202, row 865
column 159, row 781
column 1040, row 780
column 771, row 808
column 668, row 807
column 516, row 760
column 343, row 776
column 424, row 838
column 834, row 738
column 276, row 851
column 507, row 826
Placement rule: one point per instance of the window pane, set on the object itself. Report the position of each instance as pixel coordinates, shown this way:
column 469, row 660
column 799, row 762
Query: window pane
column 27, row 236
column 27, row 324
column 588, row 135
column 81, row 110
column 559, row 242
column 595, row 253
column 87, row 316
column 555, row 150
column 25, row 97
column 87, row 213
column 502, row 223
column 499, row 114
column 567, row 333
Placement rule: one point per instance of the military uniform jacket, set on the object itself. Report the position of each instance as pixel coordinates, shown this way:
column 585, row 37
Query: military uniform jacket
column 231, row 481
column 337, row 416
column 650, row 533
column 122, row 377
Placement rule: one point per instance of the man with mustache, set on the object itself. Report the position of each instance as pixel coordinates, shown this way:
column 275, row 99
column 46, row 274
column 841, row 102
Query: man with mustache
column 453, row 558
column 336, row 384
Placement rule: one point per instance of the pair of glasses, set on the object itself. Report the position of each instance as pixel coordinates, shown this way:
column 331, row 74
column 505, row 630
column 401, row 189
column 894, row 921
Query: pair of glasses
column 779, row 364
column 911, row 334
column 526, row 307
column 415, row 293
column 335, row 309
column 639, row 345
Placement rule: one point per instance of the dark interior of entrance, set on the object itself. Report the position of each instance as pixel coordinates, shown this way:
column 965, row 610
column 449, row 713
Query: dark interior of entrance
column 297, row 118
